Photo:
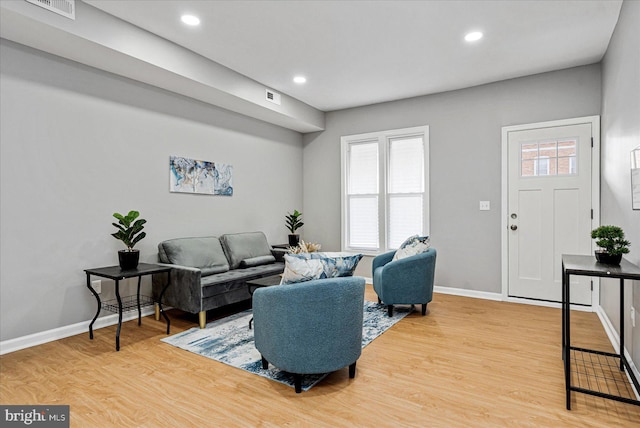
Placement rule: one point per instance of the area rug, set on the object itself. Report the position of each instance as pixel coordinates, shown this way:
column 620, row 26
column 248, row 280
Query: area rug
column 230, row 341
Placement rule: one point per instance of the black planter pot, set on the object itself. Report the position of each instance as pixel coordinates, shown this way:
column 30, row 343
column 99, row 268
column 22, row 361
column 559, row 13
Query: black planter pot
column 294, row 240
column 128, row 259
column 609, row 259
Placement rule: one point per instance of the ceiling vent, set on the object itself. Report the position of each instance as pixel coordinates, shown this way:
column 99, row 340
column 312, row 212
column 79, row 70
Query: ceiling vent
column 273, row 96
column 61, row 7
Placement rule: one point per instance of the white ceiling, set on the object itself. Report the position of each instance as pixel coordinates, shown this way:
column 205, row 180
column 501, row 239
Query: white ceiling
column 355, row 53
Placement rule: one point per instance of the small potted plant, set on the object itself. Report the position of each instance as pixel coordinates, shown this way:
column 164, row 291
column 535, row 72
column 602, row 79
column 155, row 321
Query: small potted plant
column 130, row 233
column 294, row 222
column 612, row 243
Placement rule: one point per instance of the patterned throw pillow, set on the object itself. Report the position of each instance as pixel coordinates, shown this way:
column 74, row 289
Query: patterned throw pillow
column 307, row 266
column 299, row 270
column 411, row 246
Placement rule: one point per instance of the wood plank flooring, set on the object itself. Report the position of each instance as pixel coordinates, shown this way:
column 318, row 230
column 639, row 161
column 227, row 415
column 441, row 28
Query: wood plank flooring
column 468, row 363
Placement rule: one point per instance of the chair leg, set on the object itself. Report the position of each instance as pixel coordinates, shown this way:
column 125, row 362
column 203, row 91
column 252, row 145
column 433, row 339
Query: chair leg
column 390, row 310
column 424, row 309
column 265, row 363
column 297, row 379
column 352, row 370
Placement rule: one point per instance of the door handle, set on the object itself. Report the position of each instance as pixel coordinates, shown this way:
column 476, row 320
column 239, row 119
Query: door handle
column 514, row 227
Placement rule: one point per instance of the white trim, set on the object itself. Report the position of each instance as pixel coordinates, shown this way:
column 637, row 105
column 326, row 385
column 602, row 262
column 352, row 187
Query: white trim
column 382, row 138
column 468, row 293
column 614, row 338
column 12, row 345
column 594, row 121
column 547, row 304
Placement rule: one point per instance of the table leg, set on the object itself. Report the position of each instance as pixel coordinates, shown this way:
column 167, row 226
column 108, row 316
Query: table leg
column 621, row 324
column 99, row 305
column 567, row 334
column 160, row 301
column 119, row 315
column 139, row 309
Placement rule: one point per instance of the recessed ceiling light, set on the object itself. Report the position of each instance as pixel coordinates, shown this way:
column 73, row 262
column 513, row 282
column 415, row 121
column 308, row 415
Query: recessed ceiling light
column 300, row 79
column 190, row 20
column 473, row 36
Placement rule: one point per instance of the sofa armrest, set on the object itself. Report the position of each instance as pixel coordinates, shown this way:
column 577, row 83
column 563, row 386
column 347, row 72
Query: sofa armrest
column 185, row 290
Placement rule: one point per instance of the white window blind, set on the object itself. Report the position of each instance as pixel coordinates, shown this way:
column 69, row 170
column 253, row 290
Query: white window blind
column 385, row 184
column 363, row 184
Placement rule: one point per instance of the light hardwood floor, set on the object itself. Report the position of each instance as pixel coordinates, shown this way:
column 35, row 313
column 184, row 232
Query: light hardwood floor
column 468, row 363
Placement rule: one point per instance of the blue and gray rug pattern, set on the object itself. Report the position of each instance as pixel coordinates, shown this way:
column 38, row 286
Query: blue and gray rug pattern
column 230, row 341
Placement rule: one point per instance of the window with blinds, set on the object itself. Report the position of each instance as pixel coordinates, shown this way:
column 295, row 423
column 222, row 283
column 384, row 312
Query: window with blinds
column 384, row 189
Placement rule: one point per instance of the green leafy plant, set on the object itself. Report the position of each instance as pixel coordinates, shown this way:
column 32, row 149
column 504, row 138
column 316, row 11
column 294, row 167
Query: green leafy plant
column 611, row 239
column 129, row 228
column 294, row 221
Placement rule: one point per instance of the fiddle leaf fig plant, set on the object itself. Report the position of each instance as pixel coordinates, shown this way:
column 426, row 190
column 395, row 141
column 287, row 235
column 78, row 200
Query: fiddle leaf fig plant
column 611, row 240
column 129, row 228
column 294, row 221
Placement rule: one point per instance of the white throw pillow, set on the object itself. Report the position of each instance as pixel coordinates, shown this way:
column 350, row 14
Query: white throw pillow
column 411, row 246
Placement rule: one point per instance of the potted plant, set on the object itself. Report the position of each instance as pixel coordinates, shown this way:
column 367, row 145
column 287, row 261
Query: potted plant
column 294, row 222
column 612, row 243
column 130, row 233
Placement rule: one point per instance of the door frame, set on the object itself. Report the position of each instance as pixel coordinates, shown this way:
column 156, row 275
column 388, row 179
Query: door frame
column 594, row 121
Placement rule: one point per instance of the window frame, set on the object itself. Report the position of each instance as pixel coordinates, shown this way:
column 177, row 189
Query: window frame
column 383, row 139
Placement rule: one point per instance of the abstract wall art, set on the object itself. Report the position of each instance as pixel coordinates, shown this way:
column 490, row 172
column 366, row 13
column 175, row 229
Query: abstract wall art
column 198, row 176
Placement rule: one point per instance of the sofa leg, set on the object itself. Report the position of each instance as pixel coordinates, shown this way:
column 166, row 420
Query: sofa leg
column 202, row 319
column 265, row 363
column 157, row 314
column 352, row 370
column 424, row 309
column 379, row 301
column 297, row 379
column 390, row 310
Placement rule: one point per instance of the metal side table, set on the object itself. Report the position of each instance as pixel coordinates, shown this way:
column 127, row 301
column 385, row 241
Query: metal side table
column 117, row 305
column 597, row 367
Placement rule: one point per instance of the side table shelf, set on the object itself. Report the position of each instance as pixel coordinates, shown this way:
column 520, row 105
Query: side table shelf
column 129, row 303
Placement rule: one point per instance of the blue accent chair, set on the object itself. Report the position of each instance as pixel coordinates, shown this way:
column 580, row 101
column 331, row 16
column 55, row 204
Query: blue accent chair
column 310, row 327
column 406, row 281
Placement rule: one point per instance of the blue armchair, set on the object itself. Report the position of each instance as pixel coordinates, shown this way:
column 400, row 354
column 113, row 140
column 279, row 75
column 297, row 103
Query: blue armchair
column 310, row 327
column 406, row 281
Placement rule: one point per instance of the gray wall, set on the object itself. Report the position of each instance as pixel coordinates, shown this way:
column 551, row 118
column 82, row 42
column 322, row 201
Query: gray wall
column 620, row 134
column 78, row 144
column 465, row 148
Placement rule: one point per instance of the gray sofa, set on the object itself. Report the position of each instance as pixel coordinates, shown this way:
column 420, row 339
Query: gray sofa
column 210, row 272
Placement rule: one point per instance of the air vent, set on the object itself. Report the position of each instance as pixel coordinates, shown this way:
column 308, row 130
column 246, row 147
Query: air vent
column 273, row 96
column 61, row 7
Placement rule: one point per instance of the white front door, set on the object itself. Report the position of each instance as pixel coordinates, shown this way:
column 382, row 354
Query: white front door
column 549, row 209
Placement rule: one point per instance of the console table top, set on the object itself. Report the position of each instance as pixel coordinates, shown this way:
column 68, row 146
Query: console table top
column 587, row 265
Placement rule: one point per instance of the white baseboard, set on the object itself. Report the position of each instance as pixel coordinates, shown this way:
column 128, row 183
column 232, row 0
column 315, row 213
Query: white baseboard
column 468, row 293
column 614, row 338
column 459, row 292
column 12, row 345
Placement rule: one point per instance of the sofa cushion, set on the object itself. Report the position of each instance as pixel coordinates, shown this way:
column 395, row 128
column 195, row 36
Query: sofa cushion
column 241, row 246
column 257, row 261
column 411, row 246
column 204, row 253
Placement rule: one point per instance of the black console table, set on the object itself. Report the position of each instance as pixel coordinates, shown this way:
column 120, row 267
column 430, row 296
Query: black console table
column 116, row 274
column 602, row 373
